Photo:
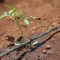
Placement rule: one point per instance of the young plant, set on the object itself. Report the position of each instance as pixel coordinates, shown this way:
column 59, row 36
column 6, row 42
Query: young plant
column 14, row 14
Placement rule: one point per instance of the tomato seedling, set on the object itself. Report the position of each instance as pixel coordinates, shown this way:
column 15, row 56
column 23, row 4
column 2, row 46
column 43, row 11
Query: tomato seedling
column 14, row 14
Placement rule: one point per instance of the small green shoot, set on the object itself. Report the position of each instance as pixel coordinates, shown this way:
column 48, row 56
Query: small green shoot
column 4, row 15
column 13, row 13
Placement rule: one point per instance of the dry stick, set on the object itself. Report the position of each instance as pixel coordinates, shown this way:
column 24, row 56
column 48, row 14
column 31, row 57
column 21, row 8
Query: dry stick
column 28, row 41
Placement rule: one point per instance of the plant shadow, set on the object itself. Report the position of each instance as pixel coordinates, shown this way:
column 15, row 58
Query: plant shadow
column 37, row 46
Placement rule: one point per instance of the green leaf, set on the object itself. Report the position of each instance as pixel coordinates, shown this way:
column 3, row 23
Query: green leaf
column 12, row 11
column 4, row 15
column 26, row 21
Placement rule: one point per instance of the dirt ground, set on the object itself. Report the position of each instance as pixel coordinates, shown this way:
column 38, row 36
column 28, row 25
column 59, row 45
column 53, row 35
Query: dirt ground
column 48, row 12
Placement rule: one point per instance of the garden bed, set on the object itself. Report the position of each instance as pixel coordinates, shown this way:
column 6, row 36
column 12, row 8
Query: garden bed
column 47, row 13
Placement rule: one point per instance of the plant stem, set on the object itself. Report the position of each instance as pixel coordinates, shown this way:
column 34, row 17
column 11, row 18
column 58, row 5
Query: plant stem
column 20, row 29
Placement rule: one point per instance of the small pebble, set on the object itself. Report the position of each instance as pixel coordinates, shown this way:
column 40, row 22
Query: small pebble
column 54, row 23
column 31, row 22
column 48, row 47
column 44, row 51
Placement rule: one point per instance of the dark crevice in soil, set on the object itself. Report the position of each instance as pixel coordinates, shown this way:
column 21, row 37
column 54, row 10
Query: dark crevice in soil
column 37, row 46
column 19, row 58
